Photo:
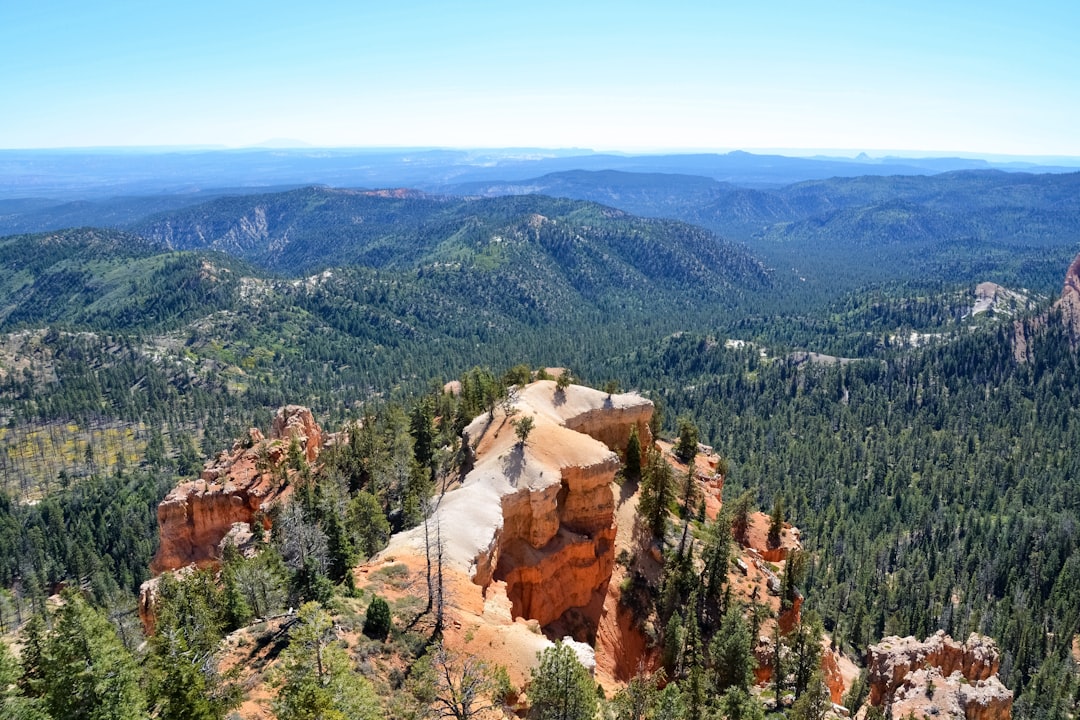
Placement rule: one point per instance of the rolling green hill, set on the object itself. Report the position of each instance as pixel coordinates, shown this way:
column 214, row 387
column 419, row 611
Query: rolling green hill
column 111, row 333
column 104, row 279
column 305, row 230
column 826, row 237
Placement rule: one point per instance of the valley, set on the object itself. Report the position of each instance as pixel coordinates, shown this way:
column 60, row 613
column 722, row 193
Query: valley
column 795, row 443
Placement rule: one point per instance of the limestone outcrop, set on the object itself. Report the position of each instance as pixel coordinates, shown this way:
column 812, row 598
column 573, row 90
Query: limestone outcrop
column 233, row 488
column 536, row 520
column 939, row 677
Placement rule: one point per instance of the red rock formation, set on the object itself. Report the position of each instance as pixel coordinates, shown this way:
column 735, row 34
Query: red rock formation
column 622, row 650
column 758, row 539
column 938, row 677
column 1069, row 307
column 543, row 583
column 611, row 424
column 830, row 671
column 1069, row 304
column 196, row 515
column 295, row 422
column 557, row 546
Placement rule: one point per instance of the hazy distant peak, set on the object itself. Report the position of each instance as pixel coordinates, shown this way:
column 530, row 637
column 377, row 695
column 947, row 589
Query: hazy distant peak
column 282, row 143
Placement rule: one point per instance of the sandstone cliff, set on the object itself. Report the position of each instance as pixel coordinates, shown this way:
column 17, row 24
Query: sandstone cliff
column 939, row 677
column 535, row 521
column 196, row 516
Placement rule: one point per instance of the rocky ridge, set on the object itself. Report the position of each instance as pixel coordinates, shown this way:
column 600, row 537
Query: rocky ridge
column 535, row 520
column 233, row 488
column 938, row 677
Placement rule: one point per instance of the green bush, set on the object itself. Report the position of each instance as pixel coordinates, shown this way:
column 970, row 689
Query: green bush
column 377, row 622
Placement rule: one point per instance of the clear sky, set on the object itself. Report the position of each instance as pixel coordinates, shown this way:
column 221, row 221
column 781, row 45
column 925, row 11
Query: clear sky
column 982, row 76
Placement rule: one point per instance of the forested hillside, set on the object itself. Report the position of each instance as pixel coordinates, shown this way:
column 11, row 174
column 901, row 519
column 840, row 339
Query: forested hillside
column 843, row 233
column 935, row 488
column 116, row 347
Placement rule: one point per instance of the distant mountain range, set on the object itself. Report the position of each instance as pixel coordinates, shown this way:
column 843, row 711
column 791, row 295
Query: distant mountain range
column 98, row 173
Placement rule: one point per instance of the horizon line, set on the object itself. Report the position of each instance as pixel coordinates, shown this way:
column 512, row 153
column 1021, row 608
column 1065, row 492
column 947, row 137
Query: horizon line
column 804, row 152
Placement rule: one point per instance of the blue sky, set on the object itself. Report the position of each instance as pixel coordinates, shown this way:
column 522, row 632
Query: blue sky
column 979, row 77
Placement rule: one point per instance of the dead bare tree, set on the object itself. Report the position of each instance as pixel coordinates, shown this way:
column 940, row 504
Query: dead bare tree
column 464, row 685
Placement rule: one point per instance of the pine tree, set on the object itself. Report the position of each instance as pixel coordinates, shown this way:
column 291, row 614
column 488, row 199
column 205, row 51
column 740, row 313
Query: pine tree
column 776, row 522
column 632, row 467
column 694, row 687
column 689, row 493
column 657, row 493
column 34, row 636
column 715, row 555
column 738, row 704
column 565, row 378
column 731, row 652
column 779, row 667
column 377, row 622
column 88, row 674
column 686, row 448
column 674, row 643
column 339, row 549
column 181, row 685
column 367, row 524
column 805, row 643
column 523, row 428
column 560, row 687
column 190, row 620
column 814, row 702
column 639, row 699
column 794, row 573
column 318, row 680
column 236, row 612
column 741, row 510
column 13, row 704
column 422, row 429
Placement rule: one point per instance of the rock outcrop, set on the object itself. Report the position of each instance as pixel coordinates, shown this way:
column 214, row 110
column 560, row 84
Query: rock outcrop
column 535, row 520
column 294, row 422
column 939, row 677
column 831, row 674
column 233, row 488
column 1068, row 305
